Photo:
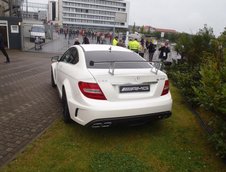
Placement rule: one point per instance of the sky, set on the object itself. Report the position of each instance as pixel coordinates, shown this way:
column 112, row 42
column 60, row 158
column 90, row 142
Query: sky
column 181, row 15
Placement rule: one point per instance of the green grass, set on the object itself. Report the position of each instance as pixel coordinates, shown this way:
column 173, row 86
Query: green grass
column 174, row 144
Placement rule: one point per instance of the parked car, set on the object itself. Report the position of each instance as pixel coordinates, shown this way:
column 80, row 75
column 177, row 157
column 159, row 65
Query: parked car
column 37, row 31
column 103, row 85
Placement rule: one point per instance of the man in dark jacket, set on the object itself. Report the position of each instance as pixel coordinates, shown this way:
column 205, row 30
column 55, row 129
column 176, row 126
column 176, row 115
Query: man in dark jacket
column 151, row 49
column 2, row 48
column 164, row 50
column 85, row 40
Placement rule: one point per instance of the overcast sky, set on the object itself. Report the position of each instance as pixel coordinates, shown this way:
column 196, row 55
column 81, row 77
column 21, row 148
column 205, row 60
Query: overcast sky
column 182, row 15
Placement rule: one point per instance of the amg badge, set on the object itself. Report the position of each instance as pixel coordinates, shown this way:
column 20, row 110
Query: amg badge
column 134, row 88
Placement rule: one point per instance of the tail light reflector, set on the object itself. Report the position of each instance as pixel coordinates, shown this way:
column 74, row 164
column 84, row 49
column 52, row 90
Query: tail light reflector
column 91, row 90
column 165, row 88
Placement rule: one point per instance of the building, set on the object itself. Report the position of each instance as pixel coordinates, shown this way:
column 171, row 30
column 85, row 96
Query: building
column 154, row 29
column 91, row 14
column 10, row 23
column 10, row 7
column 42, row 15
column 34, row 11
column 53, row 13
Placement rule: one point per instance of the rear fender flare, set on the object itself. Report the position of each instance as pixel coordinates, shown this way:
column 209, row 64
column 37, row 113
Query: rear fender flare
column 67, row 89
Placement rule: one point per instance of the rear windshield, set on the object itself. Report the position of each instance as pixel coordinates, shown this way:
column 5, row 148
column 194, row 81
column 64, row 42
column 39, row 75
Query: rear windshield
column 123, row 59
column 37, row 29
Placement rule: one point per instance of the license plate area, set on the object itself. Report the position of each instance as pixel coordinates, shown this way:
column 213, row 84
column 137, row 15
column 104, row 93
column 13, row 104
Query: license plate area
column 134, row 88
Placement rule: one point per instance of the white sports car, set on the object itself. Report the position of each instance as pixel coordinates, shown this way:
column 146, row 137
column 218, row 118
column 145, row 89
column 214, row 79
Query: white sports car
column 104, row 85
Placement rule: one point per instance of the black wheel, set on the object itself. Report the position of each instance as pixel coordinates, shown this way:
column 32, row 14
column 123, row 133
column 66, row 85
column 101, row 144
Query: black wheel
column 52, row 79
column 66, row 114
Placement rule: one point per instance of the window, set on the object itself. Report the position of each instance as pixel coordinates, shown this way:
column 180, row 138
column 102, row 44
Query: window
column 70, row 56
column 74, row 53
column 108, row 56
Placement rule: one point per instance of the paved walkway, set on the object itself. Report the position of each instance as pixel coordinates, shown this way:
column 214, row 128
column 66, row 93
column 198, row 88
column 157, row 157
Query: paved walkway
column 28, row 103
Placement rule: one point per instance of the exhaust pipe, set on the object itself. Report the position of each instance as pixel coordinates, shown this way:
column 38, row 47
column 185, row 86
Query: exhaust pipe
column 101, row 125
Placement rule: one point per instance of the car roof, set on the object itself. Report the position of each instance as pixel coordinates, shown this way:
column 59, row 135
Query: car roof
column 102, row 47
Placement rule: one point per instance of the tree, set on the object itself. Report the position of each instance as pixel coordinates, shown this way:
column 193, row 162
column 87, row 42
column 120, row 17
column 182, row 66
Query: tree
column 142, row 29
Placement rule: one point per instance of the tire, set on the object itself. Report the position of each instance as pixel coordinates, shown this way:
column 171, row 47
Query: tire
column 66, row 114
column 52, row 79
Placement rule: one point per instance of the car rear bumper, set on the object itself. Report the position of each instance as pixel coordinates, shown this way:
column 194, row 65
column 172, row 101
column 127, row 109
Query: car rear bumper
column 121, row 111
column 128, row 121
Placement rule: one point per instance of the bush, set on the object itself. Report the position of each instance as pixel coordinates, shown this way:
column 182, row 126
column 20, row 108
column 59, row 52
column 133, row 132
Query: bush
column 218, row 137
column 185, row 78
column 201, row 77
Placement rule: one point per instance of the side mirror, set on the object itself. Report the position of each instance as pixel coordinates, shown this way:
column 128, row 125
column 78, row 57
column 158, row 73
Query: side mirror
column 55, row 58
column 29, row 30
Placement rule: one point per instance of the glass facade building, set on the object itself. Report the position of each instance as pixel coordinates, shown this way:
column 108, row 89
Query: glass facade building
column 92, row 14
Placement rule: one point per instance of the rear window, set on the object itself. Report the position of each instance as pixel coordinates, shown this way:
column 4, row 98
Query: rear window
column 123, row 59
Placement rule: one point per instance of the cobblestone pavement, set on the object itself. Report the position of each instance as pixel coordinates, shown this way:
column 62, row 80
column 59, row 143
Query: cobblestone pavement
column 28, row 103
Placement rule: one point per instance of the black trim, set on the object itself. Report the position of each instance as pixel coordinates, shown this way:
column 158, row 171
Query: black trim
column 128, row 120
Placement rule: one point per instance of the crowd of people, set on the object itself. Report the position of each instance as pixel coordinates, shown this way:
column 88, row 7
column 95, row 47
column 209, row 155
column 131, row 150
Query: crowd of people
column 141, row 46
column 96, row 37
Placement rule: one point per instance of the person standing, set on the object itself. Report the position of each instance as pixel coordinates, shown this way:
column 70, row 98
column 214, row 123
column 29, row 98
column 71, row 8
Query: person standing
column 151, row 50
column 135, row 45
column 130, row 43
column 141, row 51
column 115, row 41
column 2, row 47
column 65, row 32
column 121, row 43
column 98, row 38
column 85, row 40
column 164, row 50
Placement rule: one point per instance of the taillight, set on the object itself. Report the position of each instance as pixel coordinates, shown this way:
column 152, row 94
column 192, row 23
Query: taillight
column 165, row 88
column 91, row 90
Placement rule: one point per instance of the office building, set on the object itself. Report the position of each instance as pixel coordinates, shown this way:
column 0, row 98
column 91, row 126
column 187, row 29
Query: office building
column 94, row 14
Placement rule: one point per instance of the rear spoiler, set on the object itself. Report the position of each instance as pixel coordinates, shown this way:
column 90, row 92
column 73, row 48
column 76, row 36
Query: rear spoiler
column 155, row 66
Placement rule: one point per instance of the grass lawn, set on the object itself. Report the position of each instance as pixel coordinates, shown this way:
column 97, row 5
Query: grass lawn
column 174, row 144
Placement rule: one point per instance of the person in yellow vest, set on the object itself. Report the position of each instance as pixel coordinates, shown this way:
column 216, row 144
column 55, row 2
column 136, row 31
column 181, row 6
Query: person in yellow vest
column 129, row 43
column 115, row 41
column 135, row 46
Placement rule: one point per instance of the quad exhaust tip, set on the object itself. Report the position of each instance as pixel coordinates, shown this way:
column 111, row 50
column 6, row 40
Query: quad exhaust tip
column 101, row 125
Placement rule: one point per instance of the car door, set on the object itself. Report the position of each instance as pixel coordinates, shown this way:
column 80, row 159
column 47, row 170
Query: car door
column 61, row 69
column 65, row 66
